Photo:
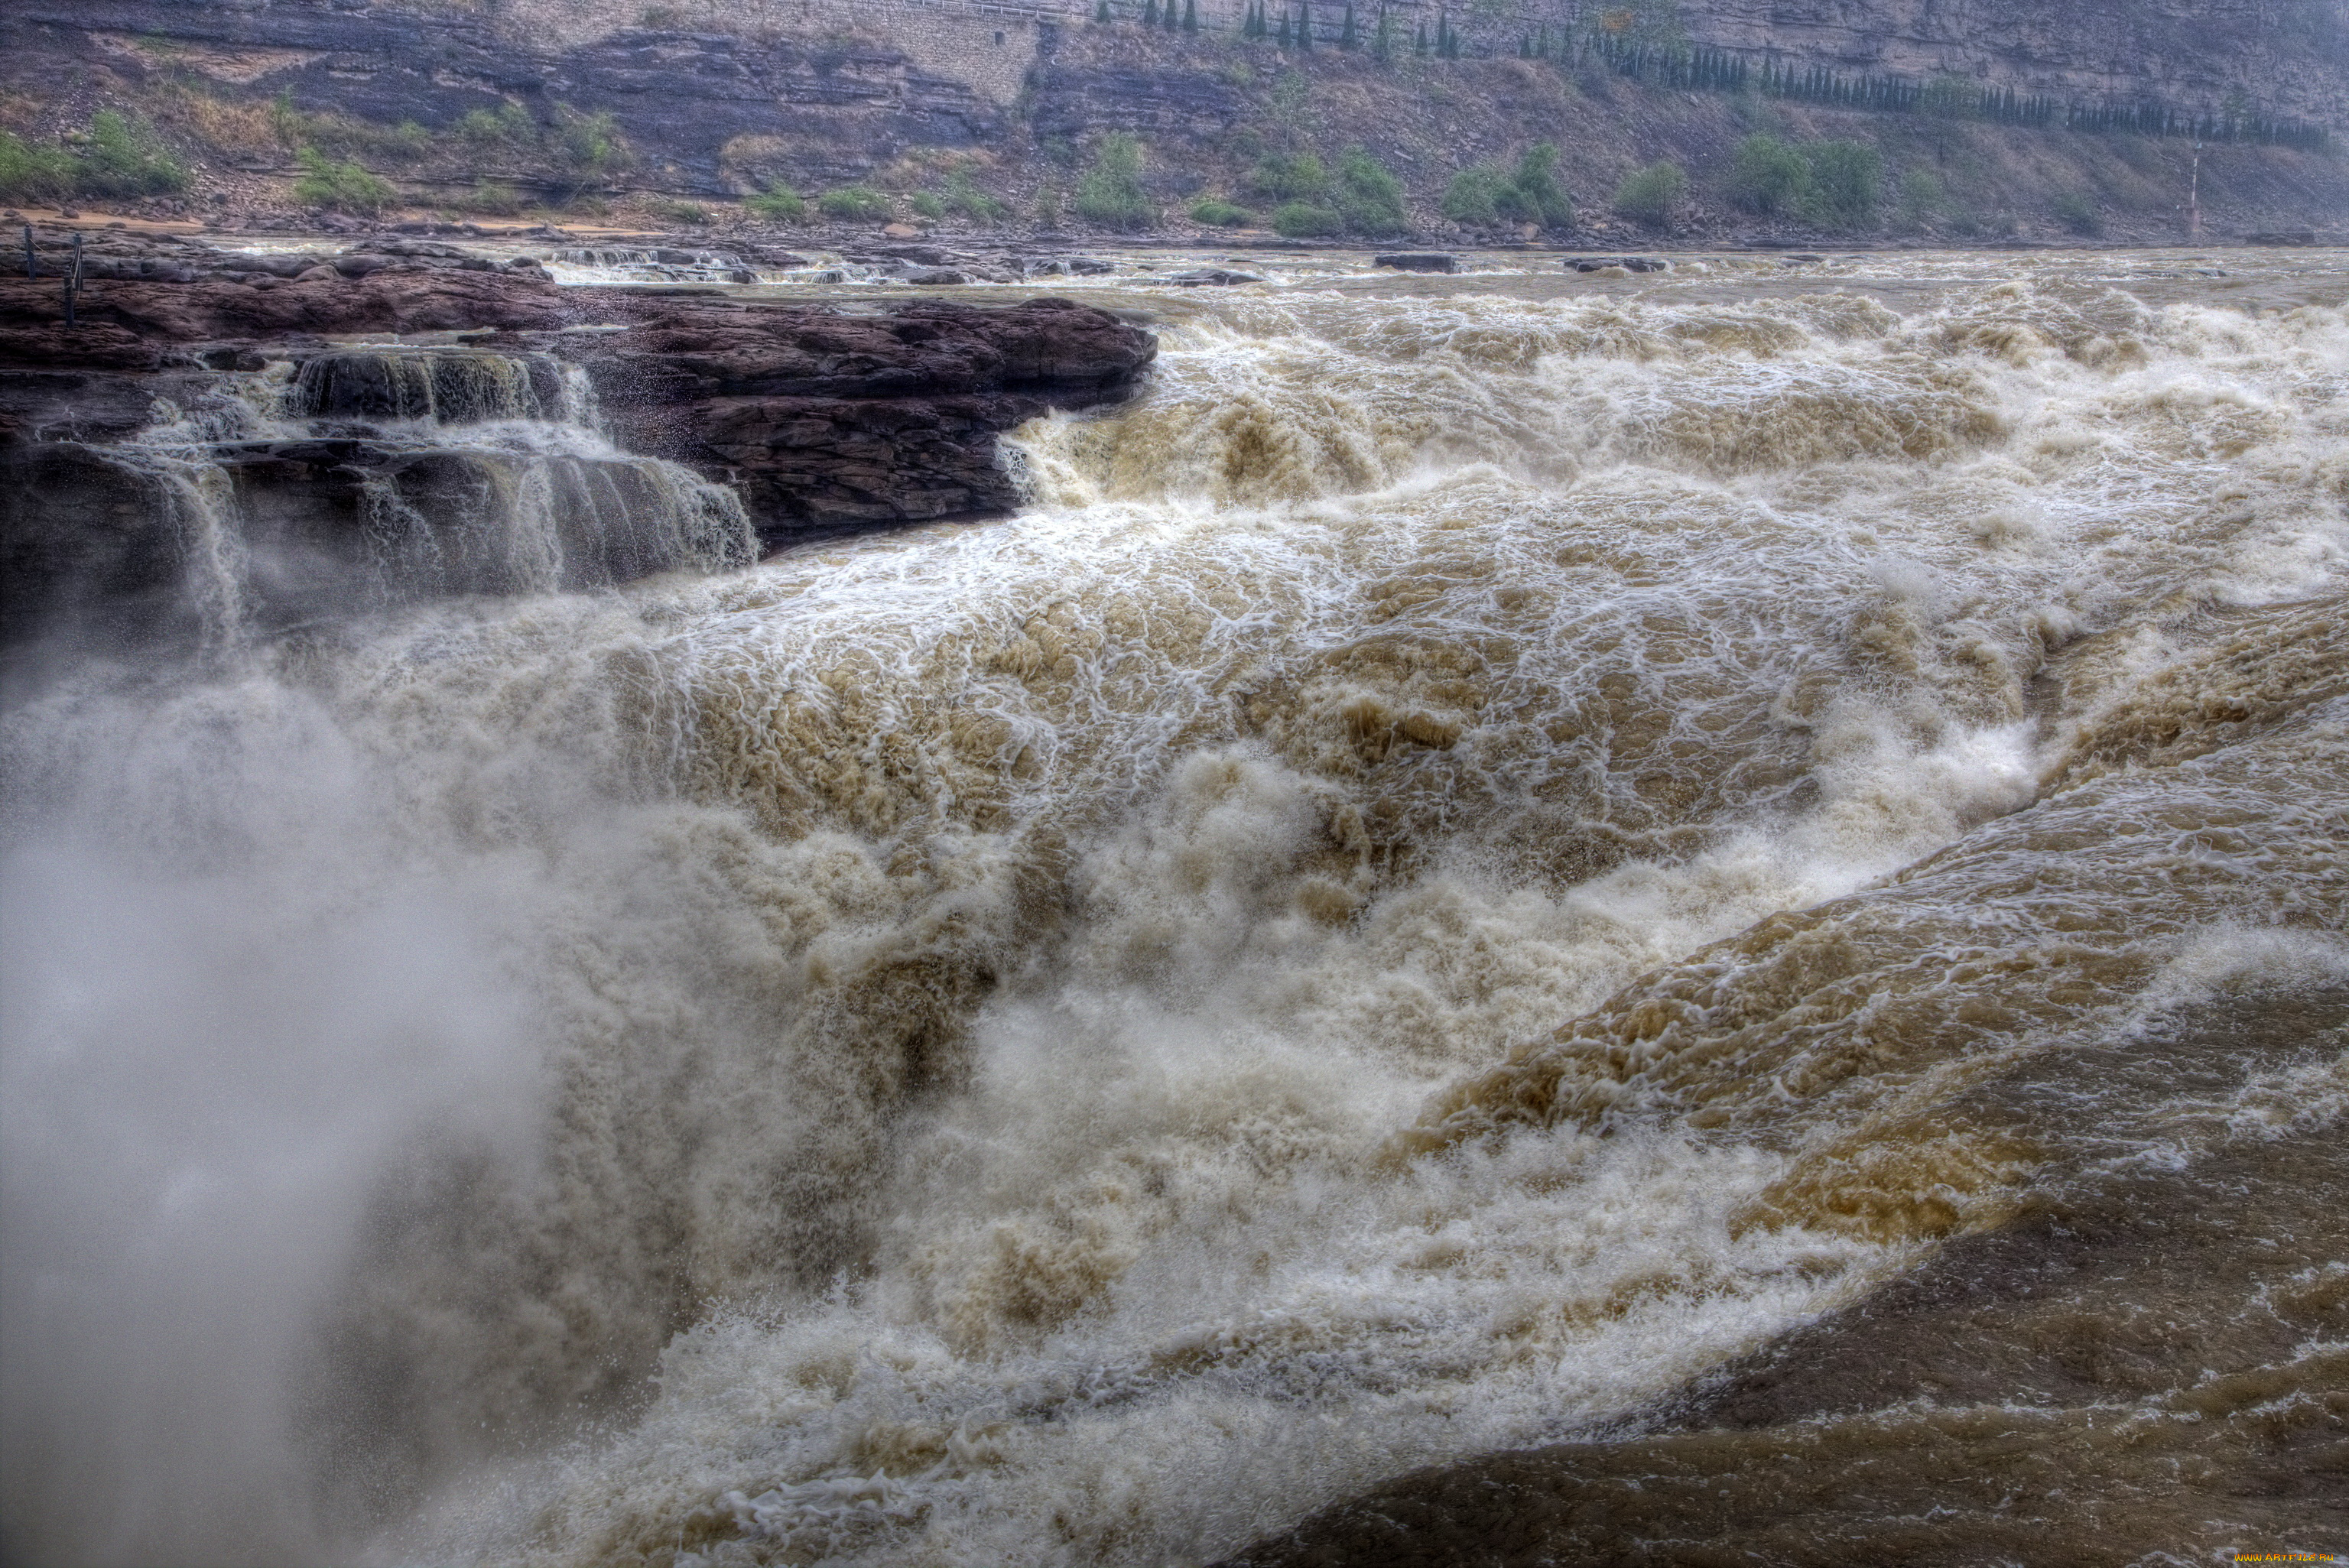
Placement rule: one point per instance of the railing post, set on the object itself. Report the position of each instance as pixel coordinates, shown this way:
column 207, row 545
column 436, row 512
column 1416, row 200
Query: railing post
column 73, row 280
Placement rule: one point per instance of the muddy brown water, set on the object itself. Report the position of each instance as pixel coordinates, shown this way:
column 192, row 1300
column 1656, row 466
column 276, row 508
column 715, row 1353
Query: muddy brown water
column 1688, row 918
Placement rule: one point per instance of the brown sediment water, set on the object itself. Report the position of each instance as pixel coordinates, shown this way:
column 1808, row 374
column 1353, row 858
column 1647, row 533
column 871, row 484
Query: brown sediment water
column 2146, row 1359
column 1687, row 919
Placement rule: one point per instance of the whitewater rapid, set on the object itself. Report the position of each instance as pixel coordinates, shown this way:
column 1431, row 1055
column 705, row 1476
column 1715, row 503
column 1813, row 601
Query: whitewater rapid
column 1451, row 873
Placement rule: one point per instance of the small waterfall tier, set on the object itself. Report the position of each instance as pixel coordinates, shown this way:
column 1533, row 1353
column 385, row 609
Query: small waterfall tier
column 358, row 480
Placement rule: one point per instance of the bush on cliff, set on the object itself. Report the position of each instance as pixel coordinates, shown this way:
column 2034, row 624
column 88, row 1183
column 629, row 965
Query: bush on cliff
column 1111, row 193
column 1473, row 196
column 1302, row 178
column 490, row 198
column 855, row 204
column 1768, row 176
column 1921, row 198
column 591, row 144
column 30, row 172
column 1537, row 196
column 1304, row 221
column 116, row 156
column 123, row 157
column 508, row 123
column 777, row 204
column 963, row 197
column 1530, row 194
column 2077, row 212
column 1370, row 198
column 1648, row 195
column 345, row 185
column 1845, row 178
column 1217, row 213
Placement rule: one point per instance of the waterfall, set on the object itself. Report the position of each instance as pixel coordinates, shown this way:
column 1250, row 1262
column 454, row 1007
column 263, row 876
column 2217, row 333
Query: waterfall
column 364, row 479
column 1524, row 907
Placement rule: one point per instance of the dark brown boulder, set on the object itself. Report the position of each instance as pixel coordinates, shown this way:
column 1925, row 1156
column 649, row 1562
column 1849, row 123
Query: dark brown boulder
column 704, row 347
column 122, row 324
column 827, row 422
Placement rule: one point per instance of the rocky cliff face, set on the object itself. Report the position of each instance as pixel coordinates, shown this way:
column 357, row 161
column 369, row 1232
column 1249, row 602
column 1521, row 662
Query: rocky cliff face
column 2284, row 57
column 831, row 109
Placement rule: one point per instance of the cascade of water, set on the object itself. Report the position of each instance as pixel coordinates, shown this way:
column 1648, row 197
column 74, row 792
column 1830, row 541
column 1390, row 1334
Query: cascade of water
column 424, row 471
column 1470, row 859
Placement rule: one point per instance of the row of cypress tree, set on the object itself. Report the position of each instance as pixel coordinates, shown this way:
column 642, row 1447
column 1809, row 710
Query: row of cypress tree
column 1721, row 70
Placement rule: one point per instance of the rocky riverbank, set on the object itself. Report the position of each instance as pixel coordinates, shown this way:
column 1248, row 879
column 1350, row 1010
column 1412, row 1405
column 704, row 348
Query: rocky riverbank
column 407, row 386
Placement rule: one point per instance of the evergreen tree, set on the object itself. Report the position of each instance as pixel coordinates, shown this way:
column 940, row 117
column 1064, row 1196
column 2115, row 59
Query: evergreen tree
column 1190, row 16
column 1149, row 13
column 1170, row 21
column 1305, row 25
column 1100, row 12
column 1422, row 40
column 1382, row 41
column 1346, row 39
column 1281, row 38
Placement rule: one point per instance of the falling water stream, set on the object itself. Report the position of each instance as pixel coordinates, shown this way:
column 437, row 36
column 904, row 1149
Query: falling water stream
column 1485, row 849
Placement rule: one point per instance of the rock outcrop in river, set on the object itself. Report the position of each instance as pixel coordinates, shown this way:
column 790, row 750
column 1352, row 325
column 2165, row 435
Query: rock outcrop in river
column 602, row 424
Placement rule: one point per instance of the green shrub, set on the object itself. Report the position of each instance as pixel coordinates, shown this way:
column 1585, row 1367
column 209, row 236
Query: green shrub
column 973, row 203
column 925, row 205
column 1301, row 177
column 692, row 214
column 1473, row 196
column 123, row 157
column 288, row 124
column 1048, row 205
column 1370, row 198
column 1302, row 220
column 1111, row 193
column 1218, row 214
column 2078, row 213
column 488, row 197
column 591, row 144
column 854, row 204
column 1845, row 177
column 1535, row 194
column 1648, row 195
column 1768, row 176
column 405, row 142
column 1920, row 197
column 29, row 172
column 1530, row 194
column 484, row 127
column 777, row 204
column 348, row 184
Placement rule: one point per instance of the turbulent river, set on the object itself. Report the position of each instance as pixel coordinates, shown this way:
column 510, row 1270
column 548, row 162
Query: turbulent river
column 1736, row 877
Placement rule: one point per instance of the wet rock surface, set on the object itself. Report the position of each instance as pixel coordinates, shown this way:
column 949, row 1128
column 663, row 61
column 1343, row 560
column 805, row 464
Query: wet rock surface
column 821, row 421
column 1418, row 261
column 827, row 421
column 1629, row 264
column 1213, row 277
